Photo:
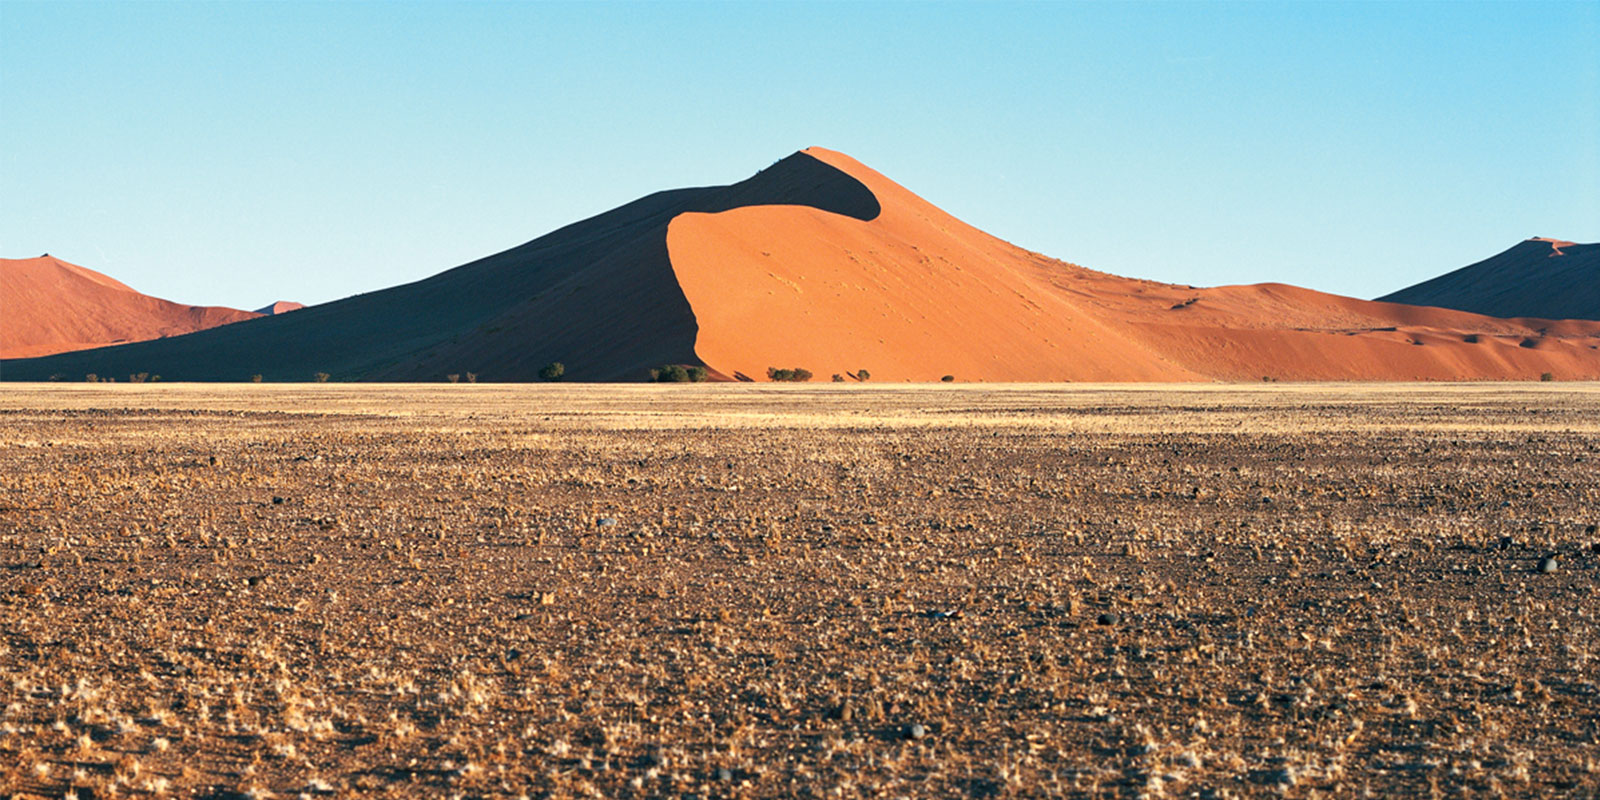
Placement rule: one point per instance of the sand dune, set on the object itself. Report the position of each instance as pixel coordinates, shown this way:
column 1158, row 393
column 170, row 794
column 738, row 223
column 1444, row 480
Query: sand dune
column 822, row 263
column 50, row 306
column 1547, row 278
column 915, row 294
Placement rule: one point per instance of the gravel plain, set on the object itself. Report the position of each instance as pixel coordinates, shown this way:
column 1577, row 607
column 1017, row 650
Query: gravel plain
column 808, row 591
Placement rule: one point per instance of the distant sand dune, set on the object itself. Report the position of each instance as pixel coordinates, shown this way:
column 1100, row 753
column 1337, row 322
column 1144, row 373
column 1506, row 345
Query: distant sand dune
column 50, row 306
column 1546, row 278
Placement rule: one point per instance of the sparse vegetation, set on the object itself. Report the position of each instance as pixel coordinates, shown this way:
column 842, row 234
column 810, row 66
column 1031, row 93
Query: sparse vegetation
column 1547, row 376
column 1208, row 592
column 91, row 378
column 678, row 373
column 795, row 375
column 322, row 377
column 837, row 378
column 553, row 371
column 472, row 377
column 454, row 377
column 256, row 378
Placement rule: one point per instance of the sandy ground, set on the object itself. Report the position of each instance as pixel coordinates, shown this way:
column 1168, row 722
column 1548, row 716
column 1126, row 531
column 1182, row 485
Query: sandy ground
column 563, row 591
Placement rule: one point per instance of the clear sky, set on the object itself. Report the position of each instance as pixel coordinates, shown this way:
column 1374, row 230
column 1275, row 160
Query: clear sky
column 238, row 153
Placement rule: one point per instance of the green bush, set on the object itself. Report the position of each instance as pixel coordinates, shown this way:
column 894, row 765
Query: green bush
column 1547, row 376
column 863, row 375
column 837, row 378
column 670, row 373
column 948, row 379
column 553, row 371
column 678, row 373
column 796, row 375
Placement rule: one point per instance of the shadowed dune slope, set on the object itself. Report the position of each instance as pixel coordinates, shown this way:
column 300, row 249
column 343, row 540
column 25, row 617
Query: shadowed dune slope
column 598, row 295
column 914, row 294
column 51, row 306
column 1546, row 278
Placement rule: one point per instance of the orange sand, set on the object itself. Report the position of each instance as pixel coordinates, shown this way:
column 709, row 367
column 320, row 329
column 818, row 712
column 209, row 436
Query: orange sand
column 50, row 306
column 915, row 294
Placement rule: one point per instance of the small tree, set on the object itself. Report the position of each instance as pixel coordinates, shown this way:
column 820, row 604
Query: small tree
column 553, row 371
column 91, row 378
column 670, row 373
column 453, row 377
column 472, row 377
column 863, row 375
column 322, row 377
column 256, row 378
column 797, row 375
column 1547, row 376
column 697, row 374
column 837, row 378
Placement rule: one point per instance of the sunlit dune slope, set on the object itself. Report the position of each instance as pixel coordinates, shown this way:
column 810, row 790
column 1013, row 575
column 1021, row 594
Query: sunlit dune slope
column 914, row 294
column 50, row 306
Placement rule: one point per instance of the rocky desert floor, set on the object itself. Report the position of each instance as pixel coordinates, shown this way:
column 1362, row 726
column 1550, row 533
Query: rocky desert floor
column 809, row 591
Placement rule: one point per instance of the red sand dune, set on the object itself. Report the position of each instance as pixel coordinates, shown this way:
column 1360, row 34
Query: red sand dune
column 819, row 262
column 280, row 307
column 50, row 306
column 1547, row 278
column 915, row 294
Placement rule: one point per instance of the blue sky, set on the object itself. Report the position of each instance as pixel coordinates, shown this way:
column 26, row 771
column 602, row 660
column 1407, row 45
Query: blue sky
column 239, row 153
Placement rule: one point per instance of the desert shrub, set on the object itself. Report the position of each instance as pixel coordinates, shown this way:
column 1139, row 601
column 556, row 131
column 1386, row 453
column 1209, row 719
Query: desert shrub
column 91, row 378
column 255, row 378
column 155, row 378
column 948, row 379
column 322, row 377
column 697, row 374
column 472, row 377
column 553, row 371
column 863, row 375
column 837, row 378
column 670, row 373
column 1471, row 338
column 138, row 377
column 58, row 377
column 1547, row 376
column 796, row 375
column 454, row 377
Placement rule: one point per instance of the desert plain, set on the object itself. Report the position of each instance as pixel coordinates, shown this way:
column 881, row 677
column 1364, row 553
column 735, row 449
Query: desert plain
column 1330, row 590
